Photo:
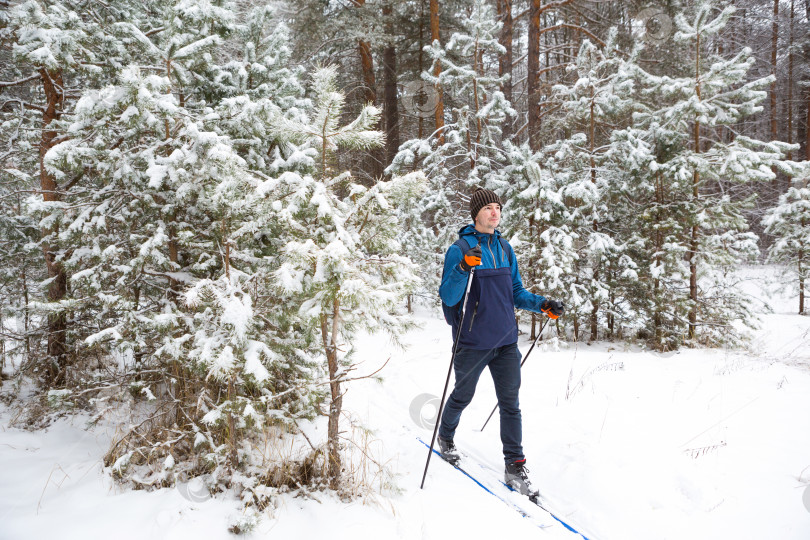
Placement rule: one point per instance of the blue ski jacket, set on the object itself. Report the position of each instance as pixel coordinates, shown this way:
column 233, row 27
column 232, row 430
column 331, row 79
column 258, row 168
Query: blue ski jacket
column 496, row 290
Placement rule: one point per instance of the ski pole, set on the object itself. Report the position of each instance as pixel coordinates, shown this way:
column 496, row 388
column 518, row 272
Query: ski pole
column 449, row 371
column 540, row 333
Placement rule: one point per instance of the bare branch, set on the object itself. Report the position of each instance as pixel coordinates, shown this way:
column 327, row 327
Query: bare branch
column 543, row 9
column 573, row 27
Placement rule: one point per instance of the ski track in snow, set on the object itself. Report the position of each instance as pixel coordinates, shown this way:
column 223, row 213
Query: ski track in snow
column 623, row 443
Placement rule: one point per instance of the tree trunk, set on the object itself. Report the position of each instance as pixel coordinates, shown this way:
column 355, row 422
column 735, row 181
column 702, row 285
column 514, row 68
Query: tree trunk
column 773, row 118
column 505, row 60
column 336, row 403
column 376, row 155
column 774, row 45
column 801, row 277
column 693, row 241
column 367, row 65
column 807, row 121
column 421, row 58
column 595, row 225
column 55, row 373
column 2, row 349
column 26, row 313
column 533, row 81
column 611, row 302
column 472, row 149
column 790, row 85
column 391, row 112
column 233, row 455
column 438, row 114
column 806, row 138
column 657, row 319
column 802, row 111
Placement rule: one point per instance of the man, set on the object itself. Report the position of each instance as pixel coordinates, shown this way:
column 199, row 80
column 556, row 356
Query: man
column 488, row 336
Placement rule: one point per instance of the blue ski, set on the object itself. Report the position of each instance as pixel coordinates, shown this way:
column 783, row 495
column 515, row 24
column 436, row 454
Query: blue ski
column 521, row 511
column 508, row 503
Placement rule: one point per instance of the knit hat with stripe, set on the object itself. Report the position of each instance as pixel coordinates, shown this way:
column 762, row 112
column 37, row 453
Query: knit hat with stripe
column 480, row 199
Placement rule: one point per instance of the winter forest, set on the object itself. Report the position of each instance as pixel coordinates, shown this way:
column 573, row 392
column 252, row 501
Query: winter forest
column 207, row 206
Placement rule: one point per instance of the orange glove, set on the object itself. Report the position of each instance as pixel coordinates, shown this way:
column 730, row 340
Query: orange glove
column 553, row 308
column 471, row 258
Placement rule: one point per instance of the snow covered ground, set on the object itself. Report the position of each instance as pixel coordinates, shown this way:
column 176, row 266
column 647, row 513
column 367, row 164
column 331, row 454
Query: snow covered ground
column 625, row 443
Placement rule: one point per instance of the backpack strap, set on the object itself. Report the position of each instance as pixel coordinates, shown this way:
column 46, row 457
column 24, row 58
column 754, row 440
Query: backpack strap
column 510, row 253
column 463, row 244
column 452, row 313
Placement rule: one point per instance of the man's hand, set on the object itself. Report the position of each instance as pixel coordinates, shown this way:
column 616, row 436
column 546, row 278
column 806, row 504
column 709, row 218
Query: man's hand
column 471, row 258
column 553, row 308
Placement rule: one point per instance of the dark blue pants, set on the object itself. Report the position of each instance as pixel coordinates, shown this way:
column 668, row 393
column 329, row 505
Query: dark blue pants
column 504, row 365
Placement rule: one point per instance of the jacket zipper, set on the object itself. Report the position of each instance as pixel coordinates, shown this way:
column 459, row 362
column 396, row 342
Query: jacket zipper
column 475, row 310
column 489, row 245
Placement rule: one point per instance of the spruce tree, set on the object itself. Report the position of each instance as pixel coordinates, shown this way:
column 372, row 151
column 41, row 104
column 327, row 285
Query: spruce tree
column 697, row 232
column 587, row 176
column 342, row 266
column 789, row 224
column 173, row 241
column 468, row 150
column 57, row 47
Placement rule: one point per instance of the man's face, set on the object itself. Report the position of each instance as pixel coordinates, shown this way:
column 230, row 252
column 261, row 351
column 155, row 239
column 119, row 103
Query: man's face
column 489, row 216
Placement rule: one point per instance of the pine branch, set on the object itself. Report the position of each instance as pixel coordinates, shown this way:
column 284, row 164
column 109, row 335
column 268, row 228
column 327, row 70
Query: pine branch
column 23, row 104
column 4, row 84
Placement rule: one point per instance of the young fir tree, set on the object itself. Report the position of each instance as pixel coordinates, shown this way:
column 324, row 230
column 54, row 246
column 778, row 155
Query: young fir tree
column 468, row 150
column 20, row 271
column 343, row 266
column 536, row 222
column 56, row 47
column 789, row 224
column 134, row 145
column 175, row 241
column 254, row 85
column 695, row 230
column 582, row 166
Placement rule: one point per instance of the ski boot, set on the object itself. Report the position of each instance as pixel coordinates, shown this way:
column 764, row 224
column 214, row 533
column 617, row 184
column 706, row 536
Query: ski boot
column 517, row 477
column 449, row 451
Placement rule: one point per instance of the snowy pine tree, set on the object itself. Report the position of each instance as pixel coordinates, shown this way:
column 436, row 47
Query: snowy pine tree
column 587, row 177
column 468, row 150
column 173, row 242
column 343, row 268
column 20, row 271
column 695, row 230
column 789, row 224
column 536, row 224
column 58, row 47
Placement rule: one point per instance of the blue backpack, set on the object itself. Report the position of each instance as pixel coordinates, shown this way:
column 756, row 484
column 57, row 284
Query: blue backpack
column 453, row 313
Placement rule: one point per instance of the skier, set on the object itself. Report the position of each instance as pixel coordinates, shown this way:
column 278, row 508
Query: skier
column 488, row 332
